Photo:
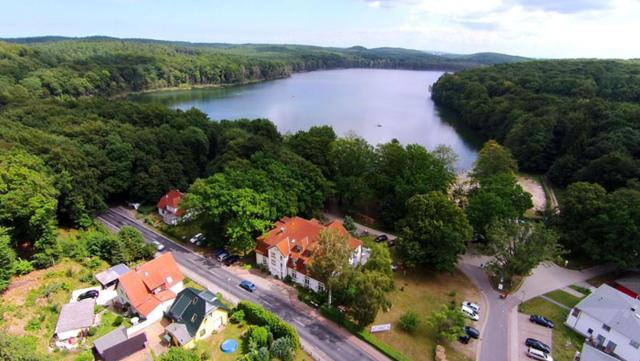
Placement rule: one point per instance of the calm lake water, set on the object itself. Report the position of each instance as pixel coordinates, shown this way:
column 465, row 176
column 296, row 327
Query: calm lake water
column 378, row 105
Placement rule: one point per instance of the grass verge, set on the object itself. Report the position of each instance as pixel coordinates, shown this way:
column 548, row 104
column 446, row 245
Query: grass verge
column 563, row 297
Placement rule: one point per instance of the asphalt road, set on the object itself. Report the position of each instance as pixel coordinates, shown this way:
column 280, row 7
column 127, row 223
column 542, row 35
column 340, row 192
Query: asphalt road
column 311, row 330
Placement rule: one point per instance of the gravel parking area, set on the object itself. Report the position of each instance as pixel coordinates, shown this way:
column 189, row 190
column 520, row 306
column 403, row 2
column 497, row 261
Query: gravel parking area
column 527, row 329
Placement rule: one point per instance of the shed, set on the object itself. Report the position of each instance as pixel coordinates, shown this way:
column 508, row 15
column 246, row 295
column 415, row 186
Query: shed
column 75, row 318
column 117, row 345
column 109, row 276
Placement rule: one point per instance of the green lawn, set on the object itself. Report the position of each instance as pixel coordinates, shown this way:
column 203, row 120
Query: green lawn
column 563, row 297
column 565, row 341
column 583, row 290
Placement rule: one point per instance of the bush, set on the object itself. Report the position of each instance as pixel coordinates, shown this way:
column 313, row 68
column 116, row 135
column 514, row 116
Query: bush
column 258, row 335
column 282, row 349
column 92, row 331
column 257, row 315
column 22, row 267
column 349, row 224
column 117, row 321
column 409, row 321
column 237, row 317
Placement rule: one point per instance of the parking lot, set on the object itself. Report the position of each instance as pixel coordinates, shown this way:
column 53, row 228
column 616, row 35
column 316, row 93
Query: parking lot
column 527, row 329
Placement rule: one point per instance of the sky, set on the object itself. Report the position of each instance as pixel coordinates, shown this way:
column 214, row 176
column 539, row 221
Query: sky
column 534, row 28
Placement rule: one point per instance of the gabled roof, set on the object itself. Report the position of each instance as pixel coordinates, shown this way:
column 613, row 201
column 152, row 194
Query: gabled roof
column 77, row 315
column 139, row 284
column 111, row 274
column 171, row 199
column 188, row 310
column 615, row 309
column 589, row 353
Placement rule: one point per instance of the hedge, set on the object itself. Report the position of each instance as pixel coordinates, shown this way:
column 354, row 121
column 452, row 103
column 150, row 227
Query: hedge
column 257, row 315
column 339, row 318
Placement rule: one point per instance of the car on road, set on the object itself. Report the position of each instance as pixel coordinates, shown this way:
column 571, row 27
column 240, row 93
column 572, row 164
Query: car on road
column 222, row 256
column 538, row 355
column 159, row 246
column 542, row 321
column 247, row 285
column 391, row 243
column 231, row 260
column 197, row 238
column 381, row 238
column 88, row 294
column 471, row 305
column 538, row 345
column 464, row 338
column 470, row 313
column 471, row 332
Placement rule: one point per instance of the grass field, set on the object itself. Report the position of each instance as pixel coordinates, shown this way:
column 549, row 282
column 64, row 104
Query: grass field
column 565, row 341
column 563, row 297
column 424, row 292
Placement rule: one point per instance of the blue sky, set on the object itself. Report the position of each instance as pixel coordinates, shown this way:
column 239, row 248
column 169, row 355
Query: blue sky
column 539, row 28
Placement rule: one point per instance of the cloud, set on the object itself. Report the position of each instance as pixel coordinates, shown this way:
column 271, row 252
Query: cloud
column 564, row 6
column 479, row 25
column 374, row 4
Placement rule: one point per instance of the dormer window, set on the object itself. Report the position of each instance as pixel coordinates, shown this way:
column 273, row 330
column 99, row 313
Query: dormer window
column 193, row 318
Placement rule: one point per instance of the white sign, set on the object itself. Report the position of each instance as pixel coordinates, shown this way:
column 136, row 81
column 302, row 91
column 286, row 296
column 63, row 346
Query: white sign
column 381, row 328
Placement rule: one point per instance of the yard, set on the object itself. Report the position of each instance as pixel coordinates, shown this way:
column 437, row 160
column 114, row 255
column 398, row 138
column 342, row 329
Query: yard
column 31, row 304
column 563, row 298
column 424, row 292
column 565, row 341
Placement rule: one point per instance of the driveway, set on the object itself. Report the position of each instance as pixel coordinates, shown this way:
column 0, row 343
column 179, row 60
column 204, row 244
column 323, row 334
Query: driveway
column 323, row 339
column 527, row 329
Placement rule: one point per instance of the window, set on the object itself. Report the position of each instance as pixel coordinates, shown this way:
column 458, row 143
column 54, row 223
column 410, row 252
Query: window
column 306, row 281
column 294, row 275
column 320, row 287
column 202, row 332
column 590, row 331
column 606, row 328
column 273, row 261
column 193, row 318
column 575, row 312
column 634, row 344
column 611, row 346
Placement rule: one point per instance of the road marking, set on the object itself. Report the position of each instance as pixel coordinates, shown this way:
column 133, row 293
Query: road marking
column 299, row 323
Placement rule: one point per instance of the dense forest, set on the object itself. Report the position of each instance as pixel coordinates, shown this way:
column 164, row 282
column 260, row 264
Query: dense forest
column 577, row 121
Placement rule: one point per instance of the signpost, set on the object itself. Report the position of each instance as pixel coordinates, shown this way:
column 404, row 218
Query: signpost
column 381, row 328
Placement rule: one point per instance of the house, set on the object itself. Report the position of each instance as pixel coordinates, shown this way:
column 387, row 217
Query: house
column 75, row 319
column 629, row 284
column 169, row 207
column 196, row 315
column 590, row 353
column 150, row 288
column 610, row 320
column 109, row 277
column 117, row 345
column 287, row 249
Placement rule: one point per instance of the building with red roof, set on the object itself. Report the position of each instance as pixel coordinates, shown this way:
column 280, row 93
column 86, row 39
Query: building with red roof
column 169, row 207
column 150, row 288
column 287, row 249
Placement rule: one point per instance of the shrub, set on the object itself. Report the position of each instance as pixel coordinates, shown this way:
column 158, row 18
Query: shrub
column 86, row 277
column 92, row 331
column 237, row 317
column 117, row 321
column 409, row 321
column 259, row 335
column 22, row 267
column 257, row 315
column 349, row 224
column 282, row 349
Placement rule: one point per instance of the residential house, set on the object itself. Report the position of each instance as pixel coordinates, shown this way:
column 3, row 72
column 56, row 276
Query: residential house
column 169, row 207
column 109, row 277
column 629, row 284
column 75, row 319
column 287, row 249
column 610, row 320
column 117, row 345
column 195, row 315
column 149, row 289
column 590, row 353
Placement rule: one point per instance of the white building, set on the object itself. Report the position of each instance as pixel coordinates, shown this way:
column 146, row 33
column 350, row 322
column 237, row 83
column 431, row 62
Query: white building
column 75, row 319
column 610, row 320
column 288, row 247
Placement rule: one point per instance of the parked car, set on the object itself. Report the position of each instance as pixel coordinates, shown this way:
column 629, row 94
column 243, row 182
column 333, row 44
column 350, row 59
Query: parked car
column 464, row 339
column 218, row 251
column 222, row 256
column 248, row 286
column 471, row 332
column 231, row 260
column 88, row 294
column 197, row 238
column 381, row 238
column 471, row 305
column 541, row 320
column 538, row 345
column 391, row 243
column 538, row 355
column 467, row 311
column 159, row 246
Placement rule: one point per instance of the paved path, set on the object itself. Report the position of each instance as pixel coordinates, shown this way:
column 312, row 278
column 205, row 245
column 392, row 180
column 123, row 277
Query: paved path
column 322, row 338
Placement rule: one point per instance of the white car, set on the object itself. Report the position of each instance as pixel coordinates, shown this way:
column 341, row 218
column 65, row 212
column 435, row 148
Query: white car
column 471, row 305
column 159, row 246
column 538, row 355
column 196, row 238
column 469, row 312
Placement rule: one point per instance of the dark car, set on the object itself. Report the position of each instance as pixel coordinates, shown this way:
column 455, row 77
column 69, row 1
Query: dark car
column 542, row 321
column 231, row 260
column 391, row 242
column 471, row 332
column 464, row 339
column 538, row 345
column 248, row 286
column 381, row 238
column 88, row 294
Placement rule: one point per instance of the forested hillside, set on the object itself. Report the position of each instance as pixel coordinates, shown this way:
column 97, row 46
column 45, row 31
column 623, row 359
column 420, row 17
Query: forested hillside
column 578, row 120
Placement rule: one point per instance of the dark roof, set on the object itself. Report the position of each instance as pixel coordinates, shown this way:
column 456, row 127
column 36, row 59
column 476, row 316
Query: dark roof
column 116, row 345
column 111, row 339
column 77, row 315
column 109, row 275
column 188, row 310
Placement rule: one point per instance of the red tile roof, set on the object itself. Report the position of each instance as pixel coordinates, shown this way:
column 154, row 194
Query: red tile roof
column 296, row 237
column 171, row 199
column 158, row 274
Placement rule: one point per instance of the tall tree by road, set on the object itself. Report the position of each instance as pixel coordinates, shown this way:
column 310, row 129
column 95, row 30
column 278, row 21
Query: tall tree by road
column 330, row 261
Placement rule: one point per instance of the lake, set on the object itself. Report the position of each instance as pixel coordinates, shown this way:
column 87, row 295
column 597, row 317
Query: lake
column 376, row 104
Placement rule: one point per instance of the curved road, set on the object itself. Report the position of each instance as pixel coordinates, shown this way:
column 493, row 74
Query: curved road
column 311, row 330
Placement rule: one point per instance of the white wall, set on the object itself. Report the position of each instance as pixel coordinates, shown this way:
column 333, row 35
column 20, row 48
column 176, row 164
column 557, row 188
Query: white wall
column 583, row 322
column 68, row 334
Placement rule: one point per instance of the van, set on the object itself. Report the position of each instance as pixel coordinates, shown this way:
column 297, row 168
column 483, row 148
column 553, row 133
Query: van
column 470, row 313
